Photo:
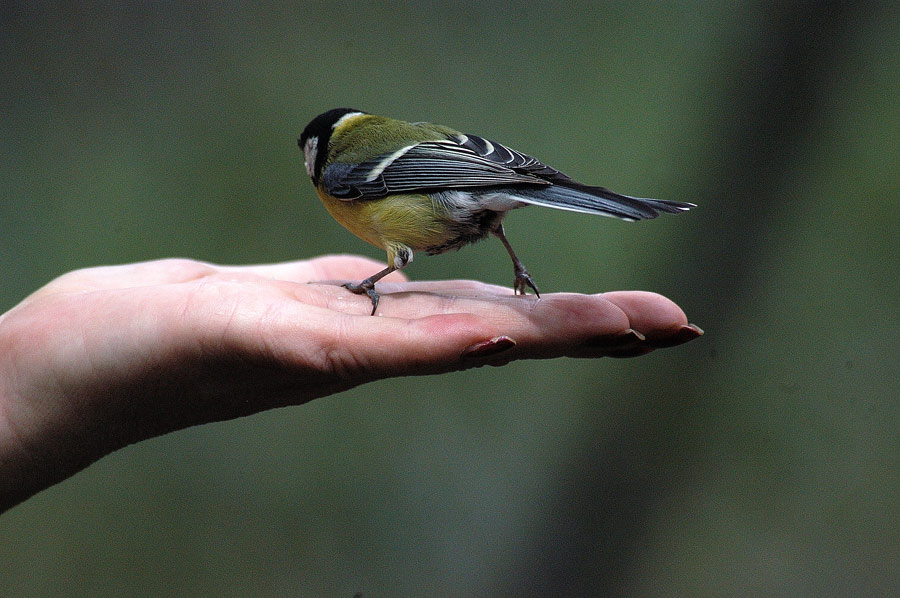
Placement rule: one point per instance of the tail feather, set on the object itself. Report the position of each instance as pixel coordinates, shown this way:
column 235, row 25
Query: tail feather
column 598, row 200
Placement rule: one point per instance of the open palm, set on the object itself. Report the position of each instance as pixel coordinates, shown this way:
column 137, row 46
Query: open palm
column 104, row 357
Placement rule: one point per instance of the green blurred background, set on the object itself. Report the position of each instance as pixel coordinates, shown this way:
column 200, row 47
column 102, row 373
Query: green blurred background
column 762, row 459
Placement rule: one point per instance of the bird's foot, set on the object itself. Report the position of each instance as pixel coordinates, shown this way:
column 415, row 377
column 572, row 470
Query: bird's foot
column 523, row 279
column 366, row 287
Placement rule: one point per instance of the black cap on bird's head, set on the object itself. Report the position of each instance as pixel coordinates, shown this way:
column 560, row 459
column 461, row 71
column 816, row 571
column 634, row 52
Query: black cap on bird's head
column 316, row 135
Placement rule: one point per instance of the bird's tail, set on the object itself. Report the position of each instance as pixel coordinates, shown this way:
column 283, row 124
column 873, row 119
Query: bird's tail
column 598, row 200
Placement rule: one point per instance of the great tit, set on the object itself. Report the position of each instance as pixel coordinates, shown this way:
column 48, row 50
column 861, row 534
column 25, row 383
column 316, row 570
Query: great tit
column 407, row 187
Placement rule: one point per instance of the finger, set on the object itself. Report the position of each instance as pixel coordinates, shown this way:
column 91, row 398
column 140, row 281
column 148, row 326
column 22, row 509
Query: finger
column 660, row 320
column 430, row 332
column 403, row 299
column 323, row 268
column 370, row 348
column 554, row 313
column 453, row 288
column 655, row 316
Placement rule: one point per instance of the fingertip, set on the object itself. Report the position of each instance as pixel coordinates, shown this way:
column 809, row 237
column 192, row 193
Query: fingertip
column 648, row 311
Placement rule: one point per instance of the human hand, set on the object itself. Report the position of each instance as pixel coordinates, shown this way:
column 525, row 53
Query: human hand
column 104, row 357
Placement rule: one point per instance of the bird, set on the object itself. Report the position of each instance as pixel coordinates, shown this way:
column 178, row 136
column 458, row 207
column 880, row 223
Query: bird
column 409, row 187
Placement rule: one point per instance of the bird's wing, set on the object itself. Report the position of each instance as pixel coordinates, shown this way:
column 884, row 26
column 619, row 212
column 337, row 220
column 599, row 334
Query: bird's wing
column 462, row 161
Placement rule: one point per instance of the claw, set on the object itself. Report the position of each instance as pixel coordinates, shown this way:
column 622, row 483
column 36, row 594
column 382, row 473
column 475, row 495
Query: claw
column 365, row 287
column 523, row 279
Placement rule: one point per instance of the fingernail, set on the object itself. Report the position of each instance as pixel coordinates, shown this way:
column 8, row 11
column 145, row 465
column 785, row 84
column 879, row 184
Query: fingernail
column 498, row 344
column 685, row 333
column 632, row 335
column 628, row 336
column 696, row 330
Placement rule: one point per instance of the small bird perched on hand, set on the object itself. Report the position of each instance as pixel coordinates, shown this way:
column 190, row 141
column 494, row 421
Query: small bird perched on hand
column 407, row 187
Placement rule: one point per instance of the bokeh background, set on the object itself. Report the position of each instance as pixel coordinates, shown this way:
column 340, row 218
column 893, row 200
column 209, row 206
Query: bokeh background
column 762, row 459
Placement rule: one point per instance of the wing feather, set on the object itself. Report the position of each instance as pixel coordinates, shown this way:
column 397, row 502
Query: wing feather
column 463, row 161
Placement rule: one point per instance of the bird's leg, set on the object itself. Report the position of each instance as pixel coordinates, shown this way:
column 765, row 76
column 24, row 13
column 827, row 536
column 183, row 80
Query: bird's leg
column 402, row 256
column 522, row 276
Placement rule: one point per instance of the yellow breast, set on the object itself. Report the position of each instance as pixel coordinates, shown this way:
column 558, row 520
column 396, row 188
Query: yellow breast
column 411, row 220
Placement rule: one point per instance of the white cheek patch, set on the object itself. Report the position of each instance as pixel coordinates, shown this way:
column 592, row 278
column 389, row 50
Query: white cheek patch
column 310, row 150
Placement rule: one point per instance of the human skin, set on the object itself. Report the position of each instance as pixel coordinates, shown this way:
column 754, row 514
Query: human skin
column 105, row 357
